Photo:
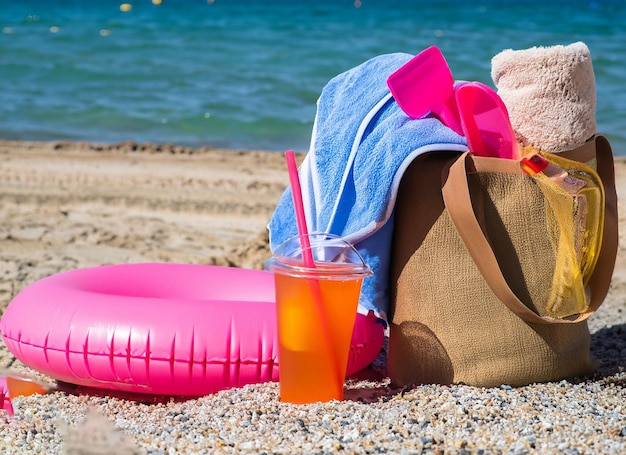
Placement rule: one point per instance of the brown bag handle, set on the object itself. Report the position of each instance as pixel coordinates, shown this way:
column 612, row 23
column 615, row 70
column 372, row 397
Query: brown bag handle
column 457, row 199
column 600, row 281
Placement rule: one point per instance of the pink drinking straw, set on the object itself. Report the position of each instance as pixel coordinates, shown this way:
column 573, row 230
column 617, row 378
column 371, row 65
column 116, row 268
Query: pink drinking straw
column 296, row 194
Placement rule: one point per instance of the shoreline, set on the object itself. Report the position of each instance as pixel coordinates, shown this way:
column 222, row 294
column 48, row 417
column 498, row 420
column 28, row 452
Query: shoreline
column 70, row 205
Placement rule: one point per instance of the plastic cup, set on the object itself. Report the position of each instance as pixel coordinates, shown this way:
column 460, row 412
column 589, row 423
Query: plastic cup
column 316, row 310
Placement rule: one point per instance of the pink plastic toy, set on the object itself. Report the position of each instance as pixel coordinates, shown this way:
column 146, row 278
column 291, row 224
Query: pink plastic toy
column 425, row 86
column 166, row 329
column 5, row 399
column 485, row 121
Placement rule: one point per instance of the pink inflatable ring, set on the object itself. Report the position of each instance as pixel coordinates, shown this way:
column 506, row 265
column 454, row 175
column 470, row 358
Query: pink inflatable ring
column 166, row 329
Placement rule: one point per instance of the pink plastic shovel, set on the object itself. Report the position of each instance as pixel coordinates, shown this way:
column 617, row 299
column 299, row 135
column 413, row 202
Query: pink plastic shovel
column 485, row 122
column 425, row 85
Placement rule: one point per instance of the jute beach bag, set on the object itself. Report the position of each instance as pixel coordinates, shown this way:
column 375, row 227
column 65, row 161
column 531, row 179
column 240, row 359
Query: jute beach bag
column 474, row 264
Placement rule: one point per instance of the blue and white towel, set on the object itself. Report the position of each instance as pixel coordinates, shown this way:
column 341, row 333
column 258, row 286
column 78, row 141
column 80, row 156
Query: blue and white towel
column 361, row 145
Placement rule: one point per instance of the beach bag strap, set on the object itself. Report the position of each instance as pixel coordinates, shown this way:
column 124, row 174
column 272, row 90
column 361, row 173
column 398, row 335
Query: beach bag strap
column 458, row 202
column 600, row 281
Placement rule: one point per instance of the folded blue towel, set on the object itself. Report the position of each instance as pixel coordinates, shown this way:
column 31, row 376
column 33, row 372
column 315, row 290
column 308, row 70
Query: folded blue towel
column 361, row 145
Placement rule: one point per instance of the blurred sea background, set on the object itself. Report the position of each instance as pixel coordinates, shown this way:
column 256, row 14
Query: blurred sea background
column 246, row 74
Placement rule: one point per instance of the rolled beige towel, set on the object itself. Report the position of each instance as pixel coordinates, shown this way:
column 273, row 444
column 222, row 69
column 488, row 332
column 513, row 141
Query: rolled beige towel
column 550, row 93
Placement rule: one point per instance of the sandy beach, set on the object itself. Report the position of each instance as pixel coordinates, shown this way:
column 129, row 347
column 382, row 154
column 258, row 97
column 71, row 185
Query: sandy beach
column 72, row 205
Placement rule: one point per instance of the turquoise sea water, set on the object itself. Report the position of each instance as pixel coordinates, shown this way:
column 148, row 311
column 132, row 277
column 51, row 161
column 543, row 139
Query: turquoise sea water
column 246, row 74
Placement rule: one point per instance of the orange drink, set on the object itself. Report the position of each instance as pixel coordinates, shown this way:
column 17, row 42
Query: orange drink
column 316, row 309
column 23, row 386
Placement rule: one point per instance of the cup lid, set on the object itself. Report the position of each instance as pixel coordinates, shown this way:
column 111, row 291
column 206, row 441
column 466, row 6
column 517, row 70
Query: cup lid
column 333, row 256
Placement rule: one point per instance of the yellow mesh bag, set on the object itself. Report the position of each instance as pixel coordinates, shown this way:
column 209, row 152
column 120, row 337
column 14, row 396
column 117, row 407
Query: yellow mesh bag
column 574, row 215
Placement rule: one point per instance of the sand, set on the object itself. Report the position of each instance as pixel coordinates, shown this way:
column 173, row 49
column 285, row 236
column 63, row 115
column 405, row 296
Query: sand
column 72, row 205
